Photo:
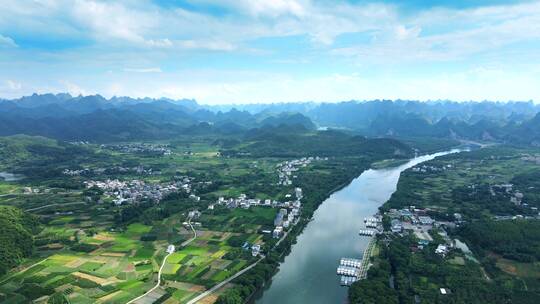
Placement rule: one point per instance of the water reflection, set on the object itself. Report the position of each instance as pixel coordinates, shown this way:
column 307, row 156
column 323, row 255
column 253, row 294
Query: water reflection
column 308, row 274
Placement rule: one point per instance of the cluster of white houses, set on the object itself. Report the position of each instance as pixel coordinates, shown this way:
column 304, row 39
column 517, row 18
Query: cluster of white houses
column 429, row 168
column 140, row 148
column 255, row 248
column 516, row 196
column 284, row 219
column 416, row 221
column 287, row 216
column 287, row 170
column 127, row 192
column 111, row 170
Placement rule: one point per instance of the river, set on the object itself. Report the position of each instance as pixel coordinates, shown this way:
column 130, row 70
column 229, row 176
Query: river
column 308, row 273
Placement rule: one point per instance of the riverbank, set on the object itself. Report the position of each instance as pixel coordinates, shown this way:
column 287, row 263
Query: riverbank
column 470, row 253
column 317, row 188
column 307, row 273
column 388, row 163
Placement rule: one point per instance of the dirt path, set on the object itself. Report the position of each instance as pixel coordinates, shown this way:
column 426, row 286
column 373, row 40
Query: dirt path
column 157, row 284
column 163, row 265
column 52, row 205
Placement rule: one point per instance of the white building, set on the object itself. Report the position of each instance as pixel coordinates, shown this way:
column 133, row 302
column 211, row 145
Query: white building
column 441, row 250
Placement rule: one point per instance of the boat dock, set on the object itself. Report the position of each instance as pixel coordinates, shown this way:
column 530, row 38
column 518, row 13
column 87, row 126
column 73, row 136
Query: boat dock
column 350, row 262
column 367, row 232
column 352, row 270
column 347, row 281
column 364, row 267
column 376, row 219
column 348, row 271
column 371, row 225
column 372, row 222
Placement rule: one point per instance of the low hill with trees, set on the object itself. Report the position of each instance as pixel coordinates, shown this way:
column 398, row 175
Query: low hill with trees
column 16, row 236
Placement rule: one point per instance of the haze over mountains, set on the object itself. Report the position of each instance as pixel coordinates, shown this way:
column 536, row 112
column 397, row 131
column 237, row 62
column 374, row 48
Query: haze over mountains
column 95, row 118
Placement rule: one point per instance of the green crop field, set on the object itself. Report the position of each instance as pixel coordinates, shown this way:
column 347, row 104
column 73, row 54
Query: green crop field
column 89, row 256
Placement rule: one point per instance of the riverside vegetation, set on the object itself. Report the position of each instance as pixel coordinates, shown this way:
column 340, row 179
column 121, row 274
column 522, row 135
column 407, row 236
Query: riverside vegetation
column 492, row 196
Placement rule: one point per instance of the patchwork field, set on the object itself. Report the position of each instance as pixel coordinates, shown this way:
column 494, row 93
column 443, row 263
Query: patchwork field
column 90, row 250
column 121, row 267
column 201, row 265
column 118, row 266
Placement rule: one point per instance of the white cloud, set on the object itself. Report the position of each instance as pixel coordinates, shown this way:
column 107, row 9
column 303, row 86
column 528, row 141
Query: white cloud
column 143, row 70
column 208, row 45
column 144, row 24
column 72, row 88
column 7, row 41
column 265, row 8
column 159, row 42
column 13, row 85
column 140, row 36
column 454, row 34
column 11, row 89
column 403, row 33
column 218, row 87
column 109, row 20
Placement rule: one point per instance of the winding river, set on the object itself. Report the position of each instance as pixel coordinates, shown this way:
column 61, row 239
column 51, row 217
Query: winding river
column 308, row 274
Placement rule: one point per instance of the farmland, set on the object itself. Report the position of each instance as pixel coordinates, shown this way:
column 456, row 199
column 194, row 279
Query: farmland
column 87, row 253
column 122, row 267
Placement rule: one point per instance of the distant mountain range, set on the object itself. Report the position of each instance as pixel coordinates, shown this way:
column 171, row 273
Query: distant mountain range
column 512, row 122
column 96, row 118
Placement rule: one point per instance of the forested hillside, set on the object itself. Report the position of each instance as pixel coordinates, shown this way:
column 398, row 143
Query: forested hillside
column 298, row 142
column 16, row 236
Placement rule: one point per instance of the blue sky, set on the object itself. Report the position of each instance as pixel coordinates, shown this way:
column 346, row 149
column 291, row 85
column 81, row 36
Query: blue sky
column 248, row 51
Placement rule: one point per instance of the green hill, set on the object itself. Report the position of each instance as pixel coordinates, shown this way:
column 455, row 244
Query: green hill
column 16, row 236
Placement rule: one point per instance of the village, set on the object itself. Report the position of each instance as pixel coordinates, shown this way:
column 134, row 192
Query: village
column 141, row 148
column 140, row 170
column 418, row 222
column 430, row 168
column 287, row 216
column 136, row 190
column 286, row 170
column 128, row 192
column 399, row 223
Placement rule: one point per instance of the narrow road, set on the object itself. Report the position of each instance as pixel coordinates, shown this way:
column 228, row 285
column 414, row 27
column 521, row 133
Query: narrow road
column 218, row 286
column 158, row 281
column 163, row 264
column 41, row 193
column 56, row 204
column 185, row 243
